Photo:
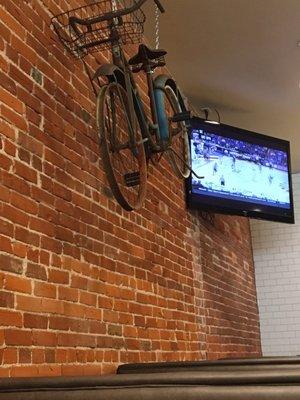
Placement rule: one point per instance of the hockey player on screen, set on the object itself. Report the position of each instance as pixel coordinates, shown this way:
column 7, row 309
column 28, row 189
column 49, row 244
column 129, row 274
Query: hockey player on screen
column 270, row 178
column 215, row 168
column 222, row 181
column 233, row 164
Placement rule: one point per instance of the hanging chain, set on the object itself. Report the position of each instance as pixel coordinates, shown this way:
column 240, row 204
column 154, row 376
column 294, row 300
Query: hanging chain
column 157, row 15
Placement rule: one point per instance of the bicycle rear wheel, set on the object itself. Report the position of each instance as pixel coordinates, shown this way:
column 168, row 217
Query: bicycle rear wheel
column 179, row 147
column 122, row 147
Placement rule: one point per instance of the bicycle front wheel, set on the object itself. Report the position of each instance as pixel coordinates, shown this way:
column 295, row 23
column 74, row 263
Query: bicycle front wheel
column 179, row 147
column 122, row 148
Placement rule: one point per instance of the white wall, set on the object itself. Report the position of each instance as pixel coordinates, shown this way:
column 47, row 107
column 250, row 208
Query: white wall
column 276, row 249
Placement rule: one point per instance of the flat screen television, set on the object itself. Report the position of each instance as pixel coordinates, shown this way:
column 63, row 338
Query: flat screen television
column 244, row 173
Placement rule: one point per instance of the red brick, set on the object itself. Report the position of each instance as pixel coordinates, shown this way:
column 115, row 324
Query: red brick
column 5, row 162
column 24, row 203
column 73, row 310
column 64, row 234
column 38, row 356
column 10, row 355
column 17, row 184
column 11, row 23
column 79, row 282
column 114, row 330
column 25, row 236
column 59, row 323
column 72, row 370
column 97, row 327
column 5, row 244
column 36, row 271
column 24, row 356
column 16, row 74
column 42, row 289
column 57, row 276
column 8, row 83
column 35, row 321
column 79, row 325
column 18, row 337
column 31, row 101
column 51, row 245
column 27, row 303
column 20, row 250
column 24, row 371
column 61, row 355
column 33, row 117
column 69, row 294
column 105, row 302
column 3, row 64
column 16, row 284
column 11, row 264
column 49, row 370
column 4, row 372
column 10, row 148
column 33, row 254
column 88, row 299
column 13, row 118
column 11, row 101
column 4, row 196
column 62, row 192
column 10, row 318
column 25, row 172
column 52, row 306
column 43, row 338
column 42, row 196
column 76, row 340
column 5, row 32
column 12, row 54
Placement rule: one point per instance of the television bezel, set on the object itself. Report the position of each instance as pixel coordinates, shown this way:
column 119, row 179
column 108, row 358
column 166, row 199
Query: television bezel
column 235, row 207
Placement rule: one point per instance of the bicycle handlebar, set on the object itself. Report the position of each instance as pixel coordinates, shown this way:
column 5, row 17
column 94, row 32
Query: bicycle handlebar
column 111, row 15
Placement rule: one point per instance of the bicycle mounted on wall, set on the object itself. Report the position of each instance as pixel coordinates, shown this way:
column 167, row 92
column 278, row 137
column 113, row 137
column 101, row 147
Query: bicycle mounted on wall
column 128, row 138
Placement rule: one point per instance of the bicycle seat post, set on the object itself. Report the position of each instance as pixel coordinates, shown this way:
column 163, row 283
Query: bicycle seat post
column 149, row 75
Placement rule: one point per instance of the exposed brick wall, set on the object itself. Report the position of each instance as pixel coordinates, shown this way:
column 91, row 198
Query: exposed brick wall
column 85, row 285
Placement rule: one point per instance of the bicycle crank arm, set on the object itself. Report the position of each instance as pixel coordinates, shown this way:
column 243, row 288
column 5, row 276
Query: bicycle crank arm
column 128, row 145
column 186, row 164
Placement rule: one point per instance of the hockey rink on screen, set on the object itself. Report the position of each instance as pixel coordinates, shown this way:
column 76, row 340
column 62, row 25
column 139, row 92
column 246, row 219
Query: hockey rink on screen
column 241, row 177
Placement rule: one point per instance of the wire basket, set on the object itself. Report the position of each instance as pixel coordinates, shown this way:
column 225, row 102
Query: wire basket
column 97, row 36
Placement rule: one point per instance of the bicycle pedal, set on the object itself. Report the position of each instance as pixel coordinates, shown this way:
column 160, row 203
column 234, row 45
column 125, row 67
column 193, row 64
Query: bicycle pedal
column 132, row 179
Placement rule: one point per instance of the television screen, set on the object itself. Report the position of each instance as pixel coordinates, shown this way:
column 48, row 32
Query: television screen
column 243, row 173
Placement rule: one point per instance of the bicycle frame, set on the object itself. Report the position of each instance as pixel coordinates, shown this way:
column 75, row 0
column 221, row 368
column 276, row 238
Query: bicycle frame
column 145, row 133
column 136, row 104
column 149, row 126
column 158, row 122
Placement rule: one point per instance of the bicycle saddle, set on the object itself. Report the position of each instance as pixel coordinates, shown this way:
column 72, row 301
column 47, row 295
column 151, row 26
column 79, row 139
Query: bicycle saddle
column 145, row 54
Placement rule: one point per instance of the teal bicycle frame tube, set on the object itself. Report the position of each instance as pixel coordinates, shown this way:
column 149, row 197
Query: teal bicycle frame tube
column 162, row 119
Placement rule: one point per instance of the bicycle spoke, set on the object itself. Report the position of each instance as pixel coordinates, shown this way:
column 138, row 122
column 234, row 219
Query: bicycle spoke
column 107, row 119
column 179, row 145
column 123, row 152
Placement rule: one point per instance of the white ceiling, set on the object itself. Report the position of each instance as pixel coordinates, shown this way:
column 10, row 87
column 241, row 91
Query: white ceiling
column 240, row 56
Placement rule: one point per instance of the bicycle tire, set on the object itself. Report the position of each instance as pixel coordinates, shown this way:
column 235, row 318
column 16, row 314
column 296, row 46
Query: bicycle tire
column 176, row 130
column 121, row 147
